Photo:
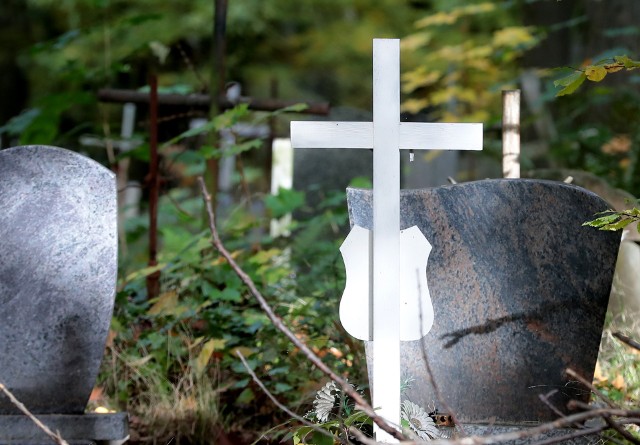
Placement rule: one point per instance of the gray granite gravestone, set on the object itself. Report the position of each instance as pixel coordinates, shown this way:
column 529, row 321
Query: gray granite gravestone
column 58, row 266
column 519, row 290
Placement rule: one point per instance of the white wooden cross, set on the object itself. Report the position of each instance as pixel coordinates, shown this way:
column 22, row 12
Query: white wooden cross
column 387, row 136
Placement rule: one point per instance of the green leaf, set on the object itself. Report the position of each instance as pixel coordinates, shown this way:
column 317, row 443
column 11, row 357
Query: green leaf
column 240, row 148
column 356, row 417
column 301, row 433
column 202, row 129
column 286, row 201
column 227, row 294
column 322, row 439
column 231, row 116
column 570, row 83
column 224, row 120
column 282, row 387
column 627, row 62
column 632, row 212
column 245, row 397
column 19, row 123
column 208, row 151
column 617, row 226
column 602, row 221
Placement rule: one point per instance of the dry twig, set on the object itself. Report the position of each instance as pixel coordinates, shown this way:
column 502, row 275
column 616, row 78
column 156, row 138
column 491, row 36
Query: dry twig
column 54, row 436
column 571, row 373
column 545, row 399
column 280, row 405
column 607, row 418
column 277, row 322
column 627, row 340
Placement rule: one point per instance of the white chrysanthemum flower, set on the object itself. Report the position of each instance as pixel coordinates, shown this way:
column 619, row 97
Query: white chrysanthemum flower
column 325, row 401
column 419, row 421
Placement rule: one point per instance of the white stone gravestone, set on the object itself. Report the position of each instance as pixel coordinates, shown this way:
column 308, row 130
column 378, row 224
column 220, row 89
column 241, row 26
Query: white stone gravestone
column 382, row 251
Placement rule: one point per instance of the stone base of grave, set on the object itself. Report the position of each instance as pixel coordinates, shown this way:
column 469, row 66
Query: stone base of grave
column 476, row 429
column 80, row 429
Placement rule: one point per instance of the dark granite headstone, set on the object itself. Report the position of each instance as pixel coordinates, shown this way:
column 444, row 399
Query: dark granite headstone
column 58, row 266
column 519, row 291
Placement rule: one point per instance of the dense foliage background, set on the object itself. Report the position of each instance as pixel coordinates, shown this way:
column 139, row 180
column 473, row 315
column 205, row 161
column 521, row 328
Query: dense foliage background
column 171, row 359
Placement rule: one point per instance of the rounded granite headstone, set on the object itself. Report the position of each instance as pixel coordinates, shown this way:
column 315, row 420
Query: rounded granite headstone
column 58, row 266
column 519, row 290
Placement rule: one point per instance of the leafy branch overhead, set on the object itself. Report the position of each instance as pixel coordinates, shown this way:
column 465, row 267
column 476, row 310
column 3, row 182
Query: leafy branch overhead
column 594, row 73
column 615, row 220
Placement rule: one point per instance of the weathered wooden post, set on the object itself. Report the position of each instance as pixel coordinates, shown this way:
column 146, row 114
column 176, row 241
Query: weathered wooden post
column 511, row 134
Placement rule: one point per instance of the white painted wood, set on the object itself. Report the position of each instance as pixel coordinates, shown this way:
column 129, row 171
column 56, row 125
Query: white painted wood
column 332, row 134
column 511, row 134
column 416, row 309
column 413, row 136
column 281, row 177
column 386, row 135
column 356, row 314
column 386, row 231
column 440, row 136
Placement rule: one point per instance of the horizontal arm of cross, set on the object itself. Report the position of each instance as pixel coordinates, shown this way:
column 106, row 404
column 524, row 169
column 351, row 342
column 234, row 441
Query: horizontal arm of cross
column 413, row 135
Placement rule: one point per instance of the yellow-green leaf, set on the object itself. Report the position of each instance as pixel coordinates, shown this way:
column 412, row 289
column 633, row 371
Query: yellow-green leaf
column 627, row 62
column 452, row 16
column 140, row 362
column 165, row 303
column 514, row 36
column 205, row 353
column 244, row 350
column 595, row 73
column 439, row 18
column 144, row 272
column 618, row 225
column 570, row 83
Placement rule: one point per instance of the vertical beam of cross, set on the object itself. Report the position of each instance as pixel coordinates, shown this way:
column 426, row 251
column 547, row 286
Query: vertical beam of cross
column 386, row 230
column 387, row 136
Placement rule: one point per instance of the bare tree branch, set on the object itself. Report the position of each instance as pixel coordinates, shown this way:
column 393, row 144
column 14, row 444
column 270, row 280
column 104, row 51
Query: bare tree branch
column 607, row 418
column 54, row 436
column 621, row 430
column 627, row 340
column 277, row 322
column 280, row 405
column 545, row 399
column 571, row 373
